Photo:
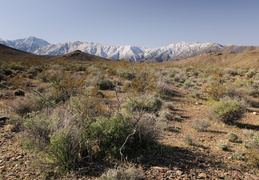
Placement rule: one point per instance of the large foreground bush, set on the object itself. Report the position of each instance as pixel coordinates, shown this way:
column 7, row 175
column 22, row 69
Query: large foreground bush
column 72, row 139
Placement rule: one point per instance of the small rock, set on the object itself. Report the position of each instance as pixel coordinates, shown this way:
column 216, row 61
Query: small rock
column 254, row 113
column 19, row 157
column 7, row 158
column 170, row 172
column 198, row 103
column 171, row 176
column 178, row 172
column 202, row 176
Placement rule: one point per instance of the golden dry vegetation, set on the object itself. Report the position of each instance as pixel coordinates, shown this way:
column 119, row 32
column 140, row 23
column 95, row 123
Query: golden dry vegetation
column 81, row 116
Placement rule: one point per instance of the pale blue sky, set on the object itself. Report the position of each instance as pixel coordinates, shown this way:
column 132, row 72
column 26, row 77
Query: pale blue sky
column 148, row 23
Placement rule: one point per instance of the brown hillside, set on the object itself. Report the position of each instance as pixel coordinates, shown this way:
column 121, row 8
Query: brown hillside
column 14, row 54
column 8, row 51
column 245, row 59
column 11, row 54
column 239, row 49
column 80, row 56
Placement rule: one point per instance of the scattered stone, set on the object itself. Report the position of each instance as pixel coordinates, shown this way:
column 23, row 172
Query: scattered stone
column 202, row 176
column 254, row 113
column 198, row 103
column 178, row 172
column 171, row 176
column 19, row 157
column 7, row 158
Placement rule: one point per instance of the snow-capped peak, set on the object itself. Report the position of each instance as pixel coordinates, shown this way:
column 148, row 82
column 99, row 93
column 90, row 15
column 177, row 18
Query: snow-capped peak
column 176, row 51
column 32, row 41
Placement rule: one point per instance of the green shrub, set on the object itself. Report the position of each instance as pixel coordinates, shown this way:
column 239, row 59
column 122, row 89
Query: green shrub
column 165, row 90
column 2, row 77
column 216, row 87
column 39, row 128
column 152, row 104
column 188, row 140
column 147, row 129
column 200, row 124
column 13, row 66
column 122, row 174
column 222, row 145
column 17, row 123
column 252, row 151
column 252, row 140
column 127, row 74
column 71, row 140
column 169, row 105
column 227, row 111
column 80, row 68
column 110, row 133
column 251, row 73
column 238, row 156
column 144, row 82
column 24, row 105
column 165, row 115
column 180, row 77
column 7, row 72
column 231, row 72
column 66, row 148
column 232, row 137
column 188, row 83
column 33, row 71
column 54, row 75
column 105, row 84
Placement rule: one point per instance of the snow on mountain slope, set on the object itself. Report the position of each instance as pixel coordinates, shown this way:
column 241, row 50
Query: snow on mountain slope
column 177, row 51
column 29, row 44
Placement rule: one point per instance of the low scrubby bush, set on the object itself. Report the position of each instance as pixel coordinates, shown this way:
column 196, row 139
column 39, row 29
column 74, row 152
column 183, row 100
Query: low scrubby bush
column 34, row 71
column 215, row 88
column 71, row 138
column 144, row 82
column 13, row 66
column 169, row 105
column 151, row 104
column 252, row 152
column 105, row 84
column 187, row 139
column 222, row 145
column 66, row 148
column 238, row 156
column 127, row 74
column 200, row 124
column 232, row 137
column 122, row 174
column 165, row 90
column 24, row 105
column 227, row 110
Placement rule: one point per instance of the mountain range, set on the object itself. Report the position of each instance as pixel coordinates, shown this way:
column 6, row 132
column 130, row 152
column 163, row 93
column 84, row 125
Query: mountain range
column 172, row 52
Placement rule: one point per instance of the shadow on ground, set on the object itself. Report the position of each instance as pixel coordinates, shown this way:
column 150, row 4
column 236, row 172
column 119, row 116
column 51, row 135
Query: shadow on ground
column 247, row 126
column 180, row 158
